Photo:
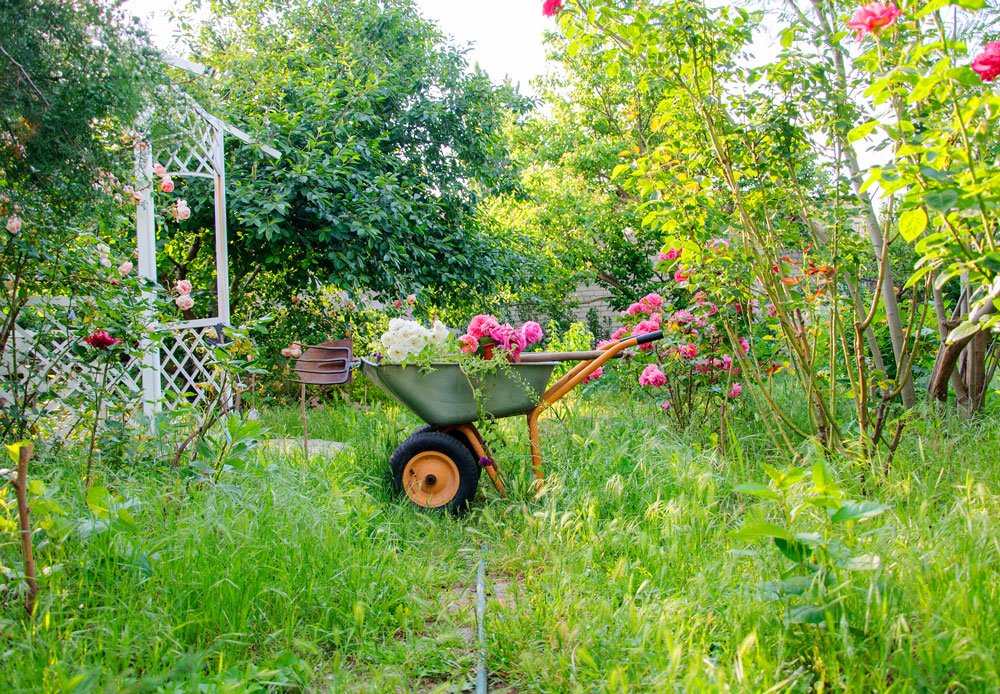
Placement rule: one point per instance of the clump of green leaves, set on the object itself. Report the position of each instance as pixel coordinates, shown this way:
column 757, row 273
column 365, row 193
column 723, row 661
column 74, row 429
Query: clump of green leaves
column 814, row 527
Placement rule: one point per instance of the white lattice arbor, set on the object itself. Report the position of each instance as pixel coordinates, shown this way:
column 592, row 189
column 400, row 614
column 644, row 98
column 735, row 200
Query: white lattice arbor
column 192, row 146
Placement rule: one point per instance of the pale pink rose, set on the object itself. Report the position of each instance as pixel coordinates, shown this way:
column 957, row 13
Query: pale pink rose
column 125, row 268
column 183, row 287
column 286, row 352
column 167, row 185
column 295, row 350
column 871, row 18
column 468, row 344
column 735, row 391
column 652, row 376
column 411, row 299
column 182, row 211
column 14, row 224
column 482, row 325
column 532, row 332
column 159, row 170
column 184, row 302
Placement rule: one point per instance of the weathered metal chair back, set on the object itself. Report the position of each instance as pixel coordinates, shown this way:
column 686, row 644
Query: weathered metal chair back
column 326, row 364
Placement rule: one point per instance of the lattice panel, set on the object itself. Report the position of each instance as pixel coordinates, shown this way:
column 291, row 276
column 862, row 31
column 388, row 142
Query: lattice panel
column 187, row 366
column 44, row 359
column 189, row 149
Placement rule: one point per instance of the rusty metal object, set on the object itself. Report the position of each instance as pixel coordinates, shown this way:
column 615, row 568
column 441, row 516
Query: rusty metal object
column 326, row 364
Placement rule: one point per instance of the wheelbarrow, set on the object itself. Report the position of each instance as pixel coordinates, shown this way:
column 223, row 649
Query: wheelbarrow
column 439, row 465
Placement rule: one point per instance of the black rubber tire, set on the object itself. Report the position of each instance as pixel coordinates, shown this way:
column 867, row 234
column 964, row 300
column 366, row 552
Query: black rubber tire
column 452, row 448
column 458, row 436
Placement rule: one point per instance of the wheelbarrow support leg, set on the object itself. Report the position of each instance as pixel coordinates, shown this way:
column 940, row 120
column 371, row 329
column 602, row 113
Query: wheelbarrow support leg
column 478, row 444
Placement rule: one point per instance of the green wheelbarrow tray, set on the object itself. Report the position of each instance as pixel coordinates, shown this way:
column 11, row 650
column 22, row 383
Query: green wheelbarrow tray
column 444, row 396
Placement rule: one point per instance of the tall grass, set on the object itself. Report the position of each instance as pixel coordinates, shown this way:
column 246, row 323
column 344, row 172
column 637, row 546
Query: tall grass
column 624, row 576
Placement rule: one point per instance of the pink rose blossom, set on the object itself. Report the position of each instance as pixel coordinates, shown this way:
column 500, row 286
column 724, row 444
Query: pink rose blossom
column 183, row 287
column 181, row 211
column 652, row 301
column 532, row 332
column 619, row 334
column 184, row 302
column 681, row 276
column 874, row 17
column 652, row 376
column 665, row 406
column 744, row 345
column 125, row 268
column 550, row 8
column 594, row 376
column 735, row 391
column 14, row 224
column 772, row 310
column 634, row 310
column 712, row 309
column 482, row 325
column 688, row 351
column 700, row 298
column 602, row 344
column 723, row 363
column 468, row 344
column 159, row 170
column 683, row 317
column 671, row 254
column 987, row 63
column 647, row 326
column 167, row 185
column 508, row 337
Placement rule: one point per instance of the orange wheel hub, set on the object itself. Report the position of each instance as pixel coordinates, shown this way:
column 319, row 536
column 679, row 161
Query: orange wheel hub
column 430, row 479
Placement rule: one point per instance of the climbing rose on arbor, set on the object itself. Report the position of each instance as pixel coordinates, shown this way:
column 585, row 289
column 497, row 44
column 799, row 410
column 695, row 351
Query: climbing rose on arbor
column 101, row 340
column 551, row 7
column 871, row 18
column 987, row 63
column 183, row 287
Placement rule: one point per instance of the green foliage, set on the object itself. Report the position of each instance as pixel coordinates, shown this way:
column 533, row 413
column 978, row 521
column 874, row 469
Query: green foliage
column 388, row 141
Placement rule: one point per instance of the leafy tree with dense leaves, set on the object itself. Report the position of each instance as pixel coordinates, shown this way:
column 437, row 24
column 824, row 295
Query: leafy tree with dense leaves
column 388, row 143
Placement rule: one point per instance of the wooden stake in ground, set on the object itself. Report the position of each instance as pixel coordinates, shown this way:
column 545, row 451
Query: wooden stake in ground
column 24, row 526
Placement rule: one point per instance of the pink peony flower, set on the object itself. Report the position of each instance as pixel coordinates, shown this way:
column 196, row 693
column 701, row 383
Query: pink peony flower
column 183, row 287
column 167, row 185
column 735, row 391
column 14, row 224
column 652, row 376
column 681, row 276
column 744, row 345
column 532, row 332
column 125, row 268
column 482, row 325
column 594, row 376
column 987, row 63
column 688, row 351
column 671, row 254
column 551, row 7
column 101, row 340
column 874, row 17
column 652, row 301
column 159, row 170
column 468, row 344
column 619, row 334
column 184, row 302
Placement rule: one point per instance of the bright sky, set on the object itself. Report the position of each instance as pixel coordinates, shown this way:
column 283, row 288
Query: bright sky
column 506, row 35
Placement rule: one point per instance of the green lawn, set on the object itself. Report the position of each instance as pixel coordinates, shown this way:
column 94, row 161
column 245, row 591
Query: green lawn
column 625, row 576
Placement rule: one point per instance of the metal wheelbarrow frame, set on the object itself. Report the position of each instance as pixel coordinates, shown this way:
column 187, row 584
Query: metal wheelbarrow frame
column 439, row 465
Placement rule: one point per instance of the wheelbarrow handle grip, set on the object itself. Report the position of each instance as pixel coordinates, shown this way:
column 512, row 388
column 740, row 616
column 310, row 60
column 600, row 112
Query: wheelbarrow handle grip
column 649, row 337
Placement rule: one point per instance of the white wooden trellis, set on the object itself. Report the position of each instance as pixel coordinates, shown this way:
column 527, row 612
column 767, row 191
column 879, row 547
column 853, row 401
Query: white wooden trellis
column 194, row 147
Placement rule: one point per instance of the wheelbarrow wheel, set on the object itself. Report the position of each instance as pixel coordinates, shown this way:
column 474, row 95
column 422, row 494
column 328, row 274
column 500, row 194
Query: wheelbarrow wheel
column 435, row 471
column 457, row 435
